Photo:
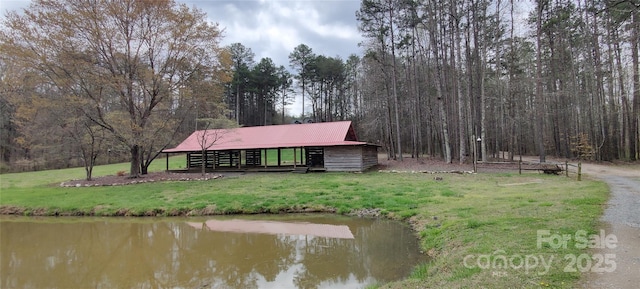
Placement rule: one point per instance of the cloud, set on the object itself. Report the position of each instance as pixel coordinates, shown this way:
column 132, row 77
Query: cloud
column 12, row 5
column 274, row 28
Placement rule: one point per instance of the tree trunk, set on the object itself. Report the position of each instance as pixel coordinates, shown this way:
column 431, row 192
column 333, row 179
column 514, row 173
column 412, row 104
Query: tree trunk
column 624, row 130
column 135, row 161
column 635, row 115
column 539, row 100
column 203, row 166
column 436, row 38
column 303, row 89
column 394, row 85
column 443, row 115
column 456, row 63
column 480, row 47
column 89, row 170
column 614, row 128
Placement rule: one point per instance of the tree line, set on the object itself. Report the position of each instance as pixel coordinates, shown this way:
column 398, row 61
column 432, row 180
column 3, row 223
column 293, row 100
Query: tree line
column 445, row 77
column 260, row 93
column 86, row 82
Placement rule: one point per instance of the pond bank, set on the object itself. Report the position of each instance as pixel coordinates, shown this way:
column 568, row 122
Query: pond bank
column 455, row 216
column 44, row 212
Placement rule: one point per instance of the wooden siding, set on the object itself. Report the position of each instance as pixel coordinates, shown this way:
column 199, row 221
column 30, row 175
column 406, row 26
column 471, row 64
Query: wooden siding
column 315, row 156
column 343, row 158
column 369, row 156
column 253, row 158
column 227, row 158
column 194, row 160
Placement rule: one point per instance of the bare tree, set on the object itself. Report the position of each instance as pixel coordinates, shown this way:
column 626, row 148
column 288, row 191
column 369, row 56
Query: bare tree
column 123, row 57
column 91, row 139
column 214, row 131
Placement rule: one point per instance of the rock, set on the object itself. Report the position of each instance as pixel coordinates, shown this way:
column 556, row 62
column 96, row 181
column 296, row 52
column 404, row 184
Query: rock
column 366, row 213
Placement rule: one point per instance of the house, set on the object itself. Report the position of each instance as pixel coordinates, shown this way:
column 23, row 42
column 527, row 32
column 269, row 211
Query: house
column 327, row 146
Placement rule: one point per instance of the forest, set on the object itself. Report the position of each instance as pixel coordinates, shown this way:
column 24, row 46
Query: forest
column 564, row 81
column 87, row 82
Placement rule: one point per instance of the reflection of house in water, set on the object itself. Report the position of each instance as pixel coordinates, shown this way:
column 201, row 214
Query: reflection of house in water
column 161, row 253
column 329, row 146
column 276, row 228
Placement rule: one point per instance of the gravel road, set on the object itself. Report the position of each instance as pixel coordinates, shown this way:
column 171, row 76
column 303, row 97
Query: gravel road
column 622, row 219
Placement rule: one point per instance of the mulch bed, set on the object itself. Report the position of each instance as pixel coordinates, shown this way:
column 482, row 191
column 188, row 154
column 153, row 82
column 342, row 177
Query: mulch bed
column 115, row 180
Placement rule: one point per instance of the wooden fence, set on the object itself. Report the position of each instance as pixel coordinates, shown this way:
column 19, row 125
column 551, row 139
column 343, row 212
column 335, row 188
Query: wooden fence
column 566, row 168
column 576, row 168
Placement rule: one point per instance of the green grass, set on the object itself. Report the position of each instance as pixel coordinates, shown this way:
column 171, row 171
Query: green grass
column 461, row 215
column 286, row 156
column 40, row 178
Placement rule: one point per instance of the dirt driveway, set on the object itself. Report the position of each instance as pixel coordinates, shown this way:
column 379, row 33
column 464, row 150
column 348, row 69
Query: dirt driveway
column 622, row 219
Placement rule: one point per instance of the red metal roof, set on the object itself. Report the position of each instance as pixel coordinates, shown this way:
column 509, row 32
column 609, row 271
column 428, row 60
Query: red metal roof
column 274, row 136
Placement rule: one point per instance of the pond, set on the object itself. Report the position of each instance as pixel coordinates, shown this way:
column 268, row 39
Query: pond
column 261, row 251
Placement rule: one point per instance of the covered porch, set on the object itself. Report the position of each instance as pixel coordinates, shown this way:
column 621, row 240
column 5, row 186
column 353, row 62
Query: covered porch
column 255, row 160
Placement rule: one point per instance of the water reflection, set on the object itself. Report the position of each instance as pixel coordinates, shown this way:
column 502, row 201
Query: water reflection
column 170, row 253
column 275, row 228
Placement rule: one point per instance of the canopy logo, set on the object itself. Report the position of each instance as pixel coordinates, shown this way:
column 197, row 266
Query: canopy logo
column 542, row 262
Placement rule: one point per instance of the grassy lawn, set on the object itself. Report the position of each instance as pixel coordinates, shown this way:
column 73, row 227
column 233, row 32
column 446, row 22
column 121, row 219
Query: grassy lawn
column 40, row 178
column 462, row 217
column 286, row 156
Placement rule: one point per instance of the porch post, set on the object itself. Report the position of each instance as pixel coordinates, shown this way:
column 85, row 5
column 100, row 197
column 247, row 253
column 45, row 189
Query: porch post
column 279, row 157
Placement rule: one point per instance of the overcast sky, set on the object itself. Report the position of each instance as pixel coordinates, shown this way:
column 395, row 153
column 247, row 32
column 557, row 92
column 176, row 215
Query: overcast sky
column 273, row 28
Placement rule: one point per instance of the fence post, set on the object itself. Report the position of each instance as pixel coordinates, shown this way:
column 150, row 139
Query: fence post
column 566, row 168
column 520, row 166
column 579, row 171
column 475, row 153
